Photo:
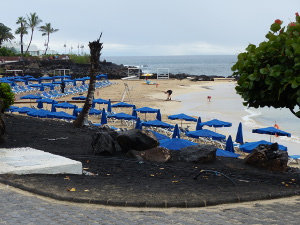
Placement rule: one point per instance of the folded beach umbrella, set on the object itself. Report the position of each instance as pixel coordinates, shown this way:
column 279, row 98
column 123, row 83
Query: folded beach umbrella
column 248, row 147
column 229, row 145
column 199, row 126
column 109, row 106
column 206, row 133
column 157, row 123
column 103, row 117
column 138, row 124
column 182, row 117
column 176, row 132
column 40, row 105
column 158, row 115
column 134, row 112
column 239, row 135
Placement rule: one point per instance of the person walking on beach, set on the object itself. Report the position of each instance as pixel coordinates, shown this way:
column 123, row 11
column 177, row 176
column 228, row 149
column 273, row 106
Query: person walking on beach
column 208, row 98
column 168, row 92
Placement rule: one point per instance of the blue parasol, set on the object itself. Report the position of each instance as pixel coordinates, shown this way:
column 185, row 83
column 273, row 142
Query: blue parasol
column 65, row 105
column 158, row 115
column 103, row 117
column 40, row 113
column 81, row 97
column 182, row 117
column 221, row 152
column 23, row 109
column 159, row 136
column 248, row 147
column 271, row 131
column 176, row 132
column 239, row 135
column 206, row 133
column 138, row 124
column 157, row 123
column 199, row 126
column 146, row 110
column 229, row 145
column 216, row 123
column 121, row 116
column 109, row 106
column 122, row 104
column 175, row 143
column 30, row 97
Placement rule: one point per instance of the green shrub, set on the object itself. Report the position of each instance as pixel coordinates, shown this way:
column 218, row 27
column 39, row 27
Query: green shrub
column 6, row 97
column 85, row 59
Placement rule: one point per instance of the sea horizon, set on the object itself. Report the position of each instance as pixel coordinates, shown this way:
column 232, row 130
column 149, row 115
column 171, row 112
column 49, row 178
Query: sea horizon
column 210, row 65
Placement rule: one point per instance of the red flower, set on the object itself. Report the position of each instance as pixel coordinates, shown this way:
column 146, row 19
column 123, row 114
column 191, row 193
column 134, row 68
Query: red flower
column 292, row 24
column 297, row 14
column 278, row 21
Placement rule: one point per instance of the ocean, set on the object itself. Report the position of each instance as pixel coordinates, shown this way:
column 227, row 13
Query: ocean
column 225, row 105
column 219, row 65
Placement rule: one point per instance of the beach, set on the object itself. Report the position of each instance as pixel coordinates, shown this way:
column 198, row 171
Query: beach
column 191, row 98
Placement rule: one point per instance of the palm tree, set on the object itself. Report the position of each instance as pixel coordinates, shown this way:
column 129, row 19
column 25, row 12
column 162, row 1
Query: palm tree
column 5, row 34
column 32, row 21
column 21, row 30
column 95, row 51
column 47, row 30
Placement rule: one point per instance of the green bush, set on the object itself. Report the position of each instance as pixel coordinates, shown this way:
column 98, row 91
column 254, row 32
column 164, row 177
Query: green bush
column 85, row 59
column 269, row 74
column 7, row 52
column 6, row 96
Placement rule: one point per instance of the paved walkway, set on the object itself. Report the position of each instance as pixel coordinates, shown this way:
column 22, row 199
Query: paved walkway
column 19, row 207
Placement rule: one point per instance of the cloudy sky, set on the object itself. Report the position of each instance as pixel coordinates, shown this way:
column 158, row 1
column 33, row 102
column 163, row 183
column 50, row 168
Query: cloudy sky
column 152, row 27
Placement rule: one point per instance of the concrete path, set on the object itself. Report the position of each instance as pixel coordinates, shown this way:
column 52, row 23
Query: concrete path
column 19, row 207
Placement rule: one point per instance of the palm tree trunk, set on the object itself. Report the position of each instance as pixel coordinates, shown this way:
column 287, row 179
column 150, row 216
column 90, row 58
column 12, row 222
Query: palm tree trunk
column 47, row 45
column 21, row 45
column 95, row 51
column 29, row 42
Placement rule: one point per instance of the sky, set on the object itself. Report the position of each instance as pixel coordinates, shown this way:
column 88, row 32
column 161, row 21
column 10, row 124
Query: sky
column 152, row 27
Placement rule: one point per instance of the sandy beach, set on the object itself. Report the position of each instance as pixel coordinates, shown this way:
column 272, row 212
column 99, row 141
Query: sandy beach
column 140, row 94
column 188, row 97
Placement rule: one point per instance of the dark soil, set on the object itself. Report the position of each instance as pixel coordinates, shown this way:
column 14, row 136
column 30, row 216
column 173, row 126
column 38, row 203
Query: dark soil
column 122, row 181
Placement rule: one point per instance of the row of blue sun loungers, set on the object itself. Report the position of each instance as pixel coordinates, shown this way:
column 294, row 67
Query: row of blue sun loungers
column 69, row 90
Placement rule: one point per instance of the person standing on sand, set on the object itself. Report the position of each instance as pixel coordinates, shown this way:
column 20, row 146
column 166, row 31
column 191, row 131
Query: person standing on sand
column 168, row 92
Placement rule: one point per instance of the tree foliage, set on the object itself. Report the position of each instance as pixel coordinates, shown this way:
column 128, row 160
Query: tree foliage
column 5, row 34
column 47, row 30
column 6, row 97
column 22, row 30
column 269, row 74
column 32, row 22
